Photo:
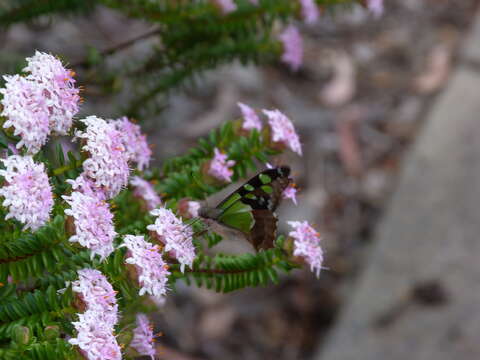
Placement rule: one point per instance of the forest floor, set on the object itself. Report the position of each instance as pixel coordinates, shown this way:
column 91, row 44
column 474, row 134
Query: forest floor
column 358, row 104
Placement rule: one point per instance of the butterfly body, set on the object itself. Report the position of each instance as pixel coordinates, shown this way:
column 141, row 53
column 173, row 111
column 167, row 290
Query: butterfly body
column 250, row 209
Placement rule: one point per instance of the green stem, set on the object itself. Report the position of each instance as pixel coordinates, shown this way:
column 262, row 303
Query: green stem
column 63, row 169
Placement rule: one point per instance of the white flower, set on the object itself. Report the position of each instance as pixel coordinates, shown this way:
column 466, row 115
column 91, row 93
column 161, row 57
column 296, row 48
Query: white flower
column 134, row 141
column 107, row 164
column 283, row 131
column 92, row 219
column 152, row 270
column 26, row 111
column 175, row 235
column 26, row 191
column 58, row 88
column 144, row 190
column 143, row 339
column 307, row 244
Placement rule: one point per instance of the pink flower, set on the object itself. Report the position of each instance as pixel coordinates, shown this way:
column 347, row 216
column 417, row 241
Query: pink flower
column 220, row 167
column 152, row 270
column 292, row 47
column 92, row 218
column 307, row 244
column 250, row 118
column 193, row 207
column 95, row 326
column 290, row 193
column 95, row 338
column 107, row 164
column 376, row 7
column 175, row 235
column 283, row 130
column 135, row 142
column 26, row 111
column 87, row 187
column 145, row 191
column 310, row 11
column 27, row 192
column 58, row 87
column 97, row 294
column 227, row 6
column 143, row 339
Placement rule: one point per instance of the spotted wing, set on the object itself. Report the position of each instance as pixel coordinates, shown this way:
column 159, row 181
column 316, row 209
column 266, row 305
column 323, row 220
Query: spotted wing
column 261, row 194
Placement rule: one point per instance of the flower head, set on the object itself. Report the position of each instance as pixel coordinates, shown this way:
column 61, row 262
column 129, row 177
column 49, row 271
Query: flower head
column 134, row 142
column 175, row 235
column 151, row 269
column 310, row 11
column 193, row 208
column 283, row 130
column 143, row 338
column 307, row 244
column 292, row 47
column 26, row 111
column 92, row 218
column 250, row 118
column 97, row 294
column 58, row 88
column 187, row 208
column 290, row 193
column 27, row 192
column 95, row 338
column 375, row 7
column 227, row 6
column 145, row 191
column 220, row 166
column 107, row 164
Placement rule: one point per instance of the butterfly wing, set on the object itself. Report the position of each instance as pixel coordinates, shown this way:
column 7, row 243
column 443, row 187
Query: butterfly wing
column 236, row 214
column 251, row 208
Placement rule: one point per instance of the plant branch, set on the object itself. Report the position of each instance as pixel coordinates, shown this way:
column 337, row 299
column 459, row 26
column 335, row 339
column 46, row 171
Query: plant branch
column 118, row 47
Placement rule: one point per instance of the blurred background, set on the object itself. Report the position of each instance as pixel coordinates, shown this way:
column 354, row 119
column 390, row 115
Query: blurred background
column 365, row 90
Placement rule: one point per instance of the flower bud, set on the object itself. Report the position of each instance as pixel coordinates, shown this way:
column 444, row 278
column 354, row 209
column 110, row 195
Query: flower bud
column 21, row 334
column 51, row 332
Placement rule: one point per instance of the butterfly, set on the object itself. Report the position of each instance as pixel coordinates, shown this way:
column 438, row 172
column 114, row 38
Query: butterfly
column 250, row 210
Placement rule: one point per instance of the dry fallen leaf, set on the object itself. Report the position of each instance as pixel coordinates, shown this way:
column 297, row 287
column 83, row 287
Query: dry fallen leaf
column 341, row 88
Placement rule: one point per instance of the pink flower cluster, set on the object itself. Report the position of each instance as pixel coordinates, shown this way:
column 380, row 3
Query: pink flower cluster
column 292, row 47
column 45, row 100
column 92, row 218
column 220, row 166
column 151, row 269
column 307, row 244
column 26, row 190
column 310, row 11
column 135, row 142
column 145, row 191
column 193, row 208
column 290, row 193
column 26, row 111
column 375, row 7
column 95, row 327
column 58, row 87
column 143, row 338
column 107, row 165
column 283, row 131
column 176, row 236
column 250, row 118
column 227, row 6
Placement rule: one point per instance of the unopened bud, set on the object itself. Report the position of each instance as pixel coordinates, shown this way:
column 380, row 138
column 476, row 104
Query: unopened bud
column 21, row 334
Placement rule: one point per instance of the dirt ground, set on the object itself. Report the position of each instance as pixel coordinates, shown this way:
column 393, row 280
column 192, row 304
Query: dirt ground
column 358, row 103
